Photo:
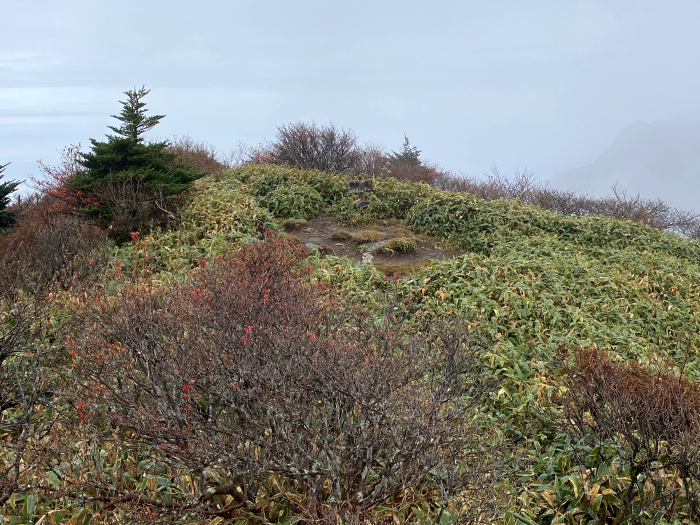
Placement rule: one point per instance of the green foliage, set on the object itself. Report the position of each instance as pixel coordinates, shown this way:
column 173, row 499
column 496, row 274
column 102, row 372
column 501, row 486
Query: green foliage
column 294, row 201
column 7, row 217
column 263, row 179
column 220, row 216
column 478, row 225
column 126, row 160
column 133, row 116
column 530, row 282
column 391, row 199
column 408, row 154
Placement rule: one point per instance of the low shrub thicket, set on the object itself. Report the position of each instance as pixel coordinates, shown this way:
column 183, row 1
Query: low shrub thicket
column 525, row 187
column 309, row 146
column 203, row 157
column 300, row 406
column 293, row 201
column 533, row 280
column 477, row 225
column 645, row 421
column 62, row 250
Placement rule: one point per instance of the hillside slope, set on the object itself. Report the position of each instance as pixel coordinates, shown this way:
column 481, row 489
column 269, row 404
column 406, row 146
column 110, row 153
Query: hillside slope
column 530, row 288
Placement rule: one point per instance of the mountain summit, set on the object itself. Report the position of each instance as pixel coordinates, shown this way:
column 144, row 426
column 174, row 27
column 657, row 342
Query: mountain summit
column 658, row 159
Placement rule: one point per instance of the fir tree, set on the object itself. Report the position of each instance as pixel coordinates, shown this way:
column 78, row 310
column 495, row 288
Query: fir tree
column 408, row 155
column 7, row 217
column 133, row 116
column 126, row 157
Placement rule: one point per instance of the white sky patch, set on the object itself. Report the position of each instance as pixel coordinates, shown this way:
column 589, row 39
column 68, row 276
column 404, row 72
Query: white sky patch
column 27, row 61
column 546, row 84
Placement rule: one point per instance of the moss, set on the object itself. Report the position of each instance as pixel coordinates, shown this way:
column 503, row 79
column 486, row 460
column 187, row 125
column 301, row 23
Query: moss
column 291, row 224
column 367, row 236
column 341, row 235
column 400, row 245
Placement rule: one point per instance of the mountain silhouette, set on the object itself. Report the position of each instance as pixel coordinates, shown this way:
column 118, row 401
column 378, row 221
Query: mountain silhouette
column 657, row 160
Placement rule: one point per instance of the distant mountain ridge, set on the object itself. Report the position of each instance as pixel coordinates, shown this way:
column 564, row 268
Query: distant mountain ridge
column 659, row 160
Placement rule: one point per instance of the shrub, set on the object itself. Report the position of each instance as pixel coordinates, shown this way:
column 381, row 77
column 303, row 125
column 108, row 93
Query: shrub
column 414, row 172
column 64, row 250
column 648, row 419
column 7, row 217
column 525, row 187
column 293, row 201
column 311, row 147
column 29, row 391
column 268, row 181
column 203, row 157
column 56, row 196
column 250, row 373
column 373, row 161
column 391, row 199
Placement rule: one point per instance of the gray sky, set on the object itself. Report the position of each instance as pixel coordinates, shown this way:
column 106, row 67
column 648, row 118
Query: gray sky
column 542, row 84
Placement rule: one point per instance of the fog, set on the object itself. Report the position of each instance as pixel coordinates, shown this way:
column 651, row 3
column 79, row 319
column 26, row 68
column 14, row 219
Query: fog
column 546, row 85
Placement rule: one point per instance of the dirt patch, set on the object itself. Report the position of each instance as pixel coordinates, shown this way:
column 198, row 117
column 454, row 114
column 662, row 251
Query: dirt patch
column 322, row 233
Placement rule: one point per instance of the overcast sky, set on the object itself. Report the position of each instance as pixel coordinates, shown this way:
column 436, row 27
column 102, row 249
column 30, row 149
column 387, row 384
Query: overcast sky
column 542, row 84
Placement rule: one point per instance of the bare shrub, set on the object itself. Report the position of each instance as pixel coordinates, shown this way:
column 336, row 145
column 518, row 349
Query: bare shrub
column 203, row 157
column 494, row 186
column 310, row 146
column 373, row 162
column 413, row 172
column 61, row 250
column 246, row 154
column 249, row 372
column 27, row 388
column 136, row 207
column 55, row 195
column 651, row 417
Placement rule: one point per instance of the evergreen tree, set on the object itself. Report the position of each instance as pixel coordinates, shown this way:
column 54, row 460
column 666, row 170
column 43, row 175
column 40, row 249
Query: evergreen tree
column 133, row 116
column 7, row 217
column 126, row 158
column 408, row 155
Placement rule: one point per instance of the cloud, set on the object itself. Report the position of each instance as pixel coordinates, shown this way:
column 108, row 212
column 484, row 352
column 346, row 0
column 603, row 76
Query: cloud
column 27, row 61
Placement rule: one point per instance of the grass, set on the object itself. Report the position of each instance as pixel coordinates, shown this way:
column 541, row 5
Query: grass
column 293, row 224
column 368, row 236
column 399, row 245
column 341, row 235
column 402, row 268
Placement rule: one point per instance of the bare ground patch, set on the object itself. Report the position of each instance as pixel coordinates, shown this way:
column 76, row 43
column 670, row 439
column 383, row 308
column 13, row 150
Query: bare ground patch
column 325, row 234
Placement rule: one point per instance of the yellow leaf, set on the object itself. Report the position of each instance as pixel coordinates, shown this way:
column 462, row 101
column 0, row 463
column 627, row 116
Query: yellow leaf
column 547, row 494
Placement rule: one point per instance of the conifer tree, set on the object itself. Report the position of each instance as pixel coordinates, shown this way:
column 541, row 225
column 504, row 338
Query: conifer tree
column 133, row 116
column 7, row 217
column 127, row 159
column 408, row 155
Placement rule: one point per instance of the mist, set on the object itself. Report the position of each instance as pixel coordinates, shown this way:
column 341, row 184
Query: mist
column 547, row 85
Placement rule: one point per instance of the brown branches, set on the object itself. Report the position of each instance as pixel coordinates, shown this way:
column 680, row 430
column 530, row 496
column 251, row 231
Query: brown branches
column 651, row 418
column 309, row 146
column 248, row 370
column 25, row 389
